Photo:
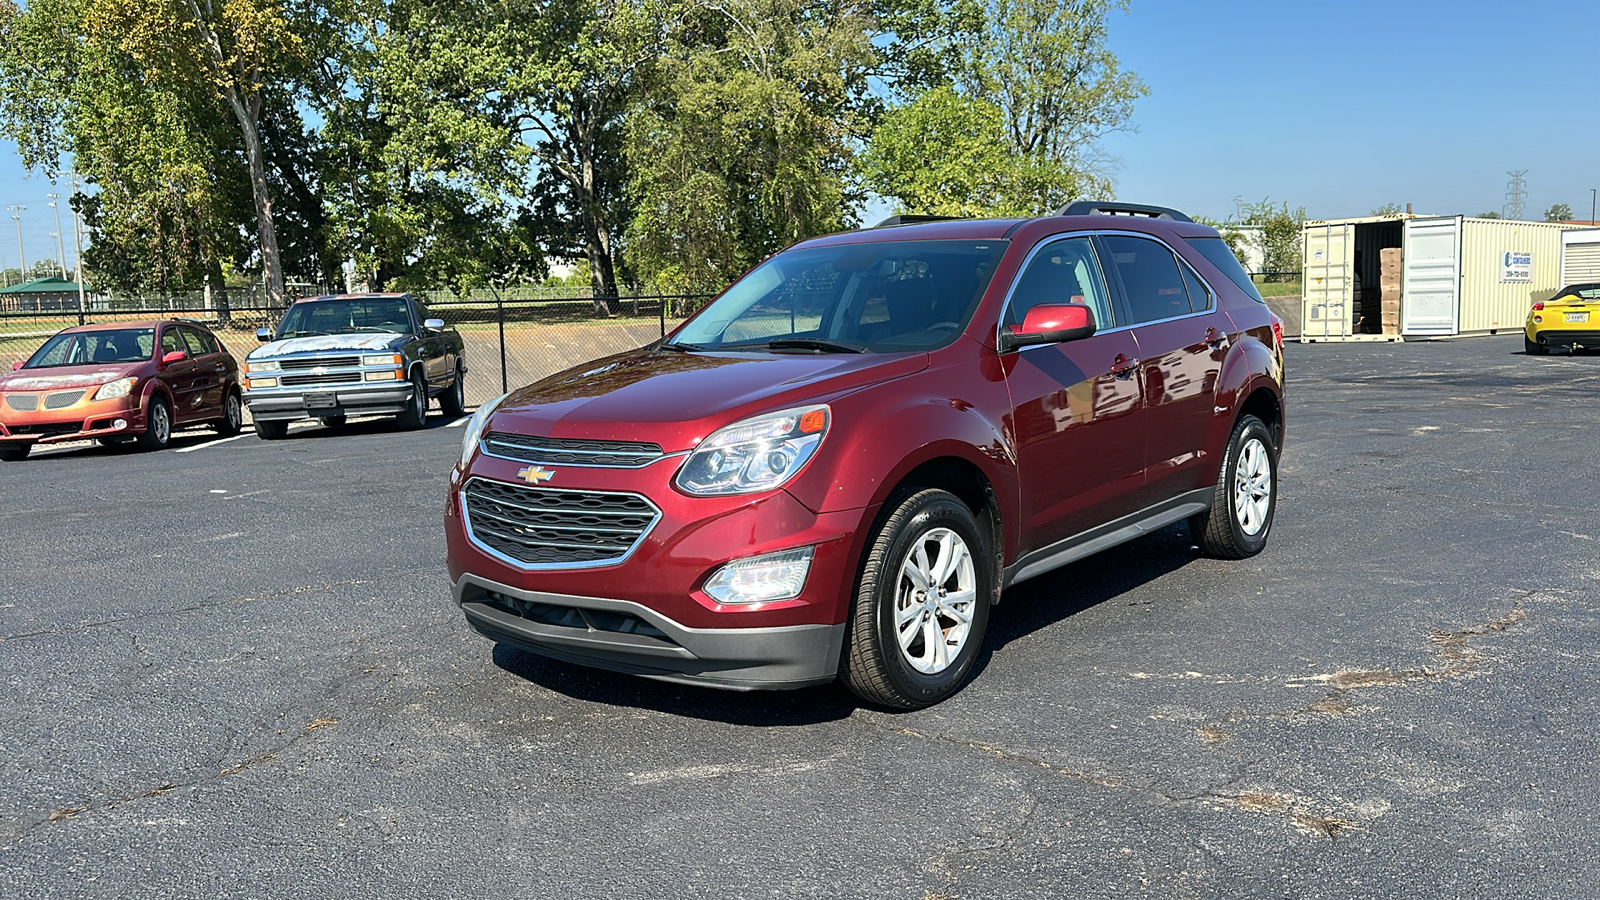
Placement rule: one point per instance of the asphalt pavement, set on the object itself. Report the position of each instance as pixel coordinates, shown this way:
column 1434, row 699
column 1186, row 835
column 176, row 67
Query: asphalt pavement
column 236, row 672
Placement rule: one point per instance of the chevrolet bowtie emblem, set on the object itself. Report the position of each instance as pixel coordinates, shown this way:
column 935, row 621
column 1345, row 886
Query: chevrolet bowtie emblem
column 534, row 474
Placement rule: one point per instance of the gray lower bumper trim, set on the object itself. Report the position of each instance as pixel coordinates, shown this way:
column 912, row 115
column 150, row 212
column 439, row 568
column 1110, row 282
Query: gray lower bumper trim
column 736, row 658
column 349, row 402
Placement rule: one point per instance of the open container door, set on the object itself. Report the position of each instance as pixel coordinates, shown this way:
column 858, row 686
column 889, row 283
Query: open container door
column 1430, row 285
column 1326, row 283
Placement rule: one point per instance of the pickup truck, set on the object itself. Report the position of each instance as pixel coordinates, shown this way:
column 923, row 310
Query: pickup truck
column 332, row 357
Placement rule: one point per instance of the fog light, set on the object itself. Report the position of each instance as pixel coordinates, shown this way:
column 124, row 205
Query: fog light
column 384, row 376
column 119, row 423
column 258, row 383
column 761, row 579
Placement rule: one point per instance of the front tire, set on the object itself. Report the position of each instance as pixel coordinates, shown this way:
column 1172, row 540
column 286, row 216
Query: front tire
column 158, row 426
column 1245, row 498
column 919, row 615
column 416, row 413
column 14, row 451
column 232, row 421
column 1533, row 348
column 272, row 431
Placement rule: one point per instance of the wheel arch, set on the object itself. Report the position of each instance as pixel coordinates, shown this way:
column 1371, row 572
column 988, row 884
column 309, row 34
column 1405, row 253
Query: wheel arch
column 967, row 481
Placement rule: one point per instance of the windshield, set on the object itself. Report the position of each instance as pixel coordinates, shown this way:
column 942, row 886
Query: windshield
column 881, row 297
column 374, row 314
column 83, row 348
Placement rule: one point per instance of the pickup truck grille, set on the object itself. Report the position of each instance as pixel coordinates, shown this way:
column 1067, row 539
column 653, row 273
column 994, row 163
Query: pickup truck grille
column 569, row 452
column 327, row 362
column 333, row 378
column 550, row 527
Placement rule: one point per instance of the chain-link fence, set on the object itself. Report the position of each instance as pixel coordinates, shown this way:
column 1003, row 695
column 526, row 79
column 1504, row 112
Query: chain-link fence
column 510, row 340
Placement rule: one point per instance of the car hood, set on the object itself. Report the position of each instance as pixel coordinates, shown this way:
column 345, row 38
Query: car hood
column 322, row 343
column 677, row 399
column 61, row 377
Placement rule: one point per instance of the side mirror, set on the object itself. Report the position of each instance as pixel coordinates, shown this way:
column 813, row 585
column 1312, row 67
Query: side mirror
column 1048, row 323
column 433, row 324
column 173, row 356
column 16, row 365
column 263, row 334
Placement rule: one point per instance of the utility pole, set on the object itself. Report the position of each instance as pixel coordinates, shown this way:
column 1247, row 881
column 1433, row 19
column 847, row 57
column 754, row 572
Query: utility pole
column 22, row 258
column 61, row 250
column 1516, row 193
column 77, row 243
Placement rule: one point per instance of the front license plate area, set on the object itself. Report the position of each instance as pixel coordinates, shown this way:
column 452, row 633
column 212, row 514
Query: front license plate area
column 321, row 400
column 1577, row 317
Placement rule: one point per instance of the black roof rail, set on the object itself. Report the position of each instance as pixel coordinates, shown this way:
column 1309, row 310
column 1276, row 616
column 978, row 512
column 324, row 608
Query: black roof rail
column 1117, row 208
column 913, row 219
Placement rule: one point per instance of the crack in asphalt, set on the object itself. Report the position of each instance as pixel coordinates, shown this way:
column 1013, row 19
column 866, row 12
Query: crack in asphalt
column 214, row 604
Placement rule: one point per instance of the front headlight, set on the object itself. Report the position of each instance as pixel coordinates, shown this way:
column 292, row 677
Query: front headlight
column 111, row 390
column 757, row 454
column 252, row 367
column 474, row 427
column 388, row 359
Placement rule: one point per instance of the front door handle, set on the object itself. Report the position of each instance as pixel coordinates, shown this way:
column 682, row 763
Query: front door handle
column 1123, row 367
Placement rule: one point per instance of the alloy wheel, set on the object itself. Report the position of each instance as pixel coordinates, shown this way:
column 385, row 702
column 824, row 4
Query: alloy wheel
column 935, row 596
column 1252, row 487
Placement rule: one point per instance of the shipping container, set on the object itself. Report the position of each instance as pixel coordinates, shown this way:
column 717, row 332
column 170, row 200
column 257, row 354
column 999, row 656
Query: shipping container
column 1580, row 256
column 1441, row 275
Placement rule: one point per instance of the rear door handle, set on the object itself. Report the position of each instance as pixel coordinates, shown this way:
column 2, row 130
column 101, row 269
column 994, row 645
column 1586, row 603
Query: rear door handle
column 1215, row 338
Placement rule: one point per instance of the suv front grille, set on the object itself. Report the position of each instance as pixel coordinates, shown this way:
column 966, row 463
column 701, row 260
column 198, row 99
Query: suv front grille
column 327, row 362
column 334, row 378
column 569, row 452
column 539, row 527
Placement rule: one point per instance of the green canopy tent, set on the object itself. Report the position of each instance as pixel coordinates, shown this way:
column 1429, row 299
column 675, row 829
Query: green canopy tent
column 40, row 294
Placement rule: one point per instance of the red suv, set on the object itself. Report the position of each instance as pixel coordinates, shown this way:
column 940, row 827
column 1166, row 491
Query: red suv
column 836, row 467
column 117, row 382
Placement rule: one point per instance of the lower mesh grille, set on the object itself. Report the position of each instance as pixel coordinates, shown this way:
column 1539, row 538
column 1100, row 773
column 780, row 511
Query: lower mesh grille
column 555, row 527
column 62, row 399
column 573, row 617
column 23, row 402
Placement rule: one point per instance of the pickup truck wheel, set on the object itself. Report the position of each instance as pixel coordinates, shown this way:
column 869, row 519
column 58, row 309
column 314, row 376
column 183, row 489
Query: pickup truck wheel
column 1245, row 498
column 272, row 431
column 158, row 430
column 232, row 420
column 454, row 401
column 918, row 618
column 416, row 413
column 14, row 451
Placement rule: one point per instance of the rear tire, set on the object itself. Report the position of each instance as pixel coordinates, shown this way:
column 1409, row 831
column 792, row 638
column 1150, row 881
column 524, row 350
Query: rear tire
column 14, row 451
column 232, row 421
column 272, row 431
column 1245, row 498
column 158, row 425
column 416, row 413
column 454, row 401
column 1533, row 348
column 919, row 615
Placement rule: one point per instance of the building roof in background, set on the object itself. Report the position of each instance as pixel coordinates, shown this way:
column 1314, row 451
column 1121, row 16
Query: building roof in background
column 51, row 285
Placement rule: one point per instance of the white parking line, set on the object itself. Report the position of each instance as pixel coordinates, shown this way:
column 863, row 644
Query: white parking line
column 458, row 421
column 209, row 444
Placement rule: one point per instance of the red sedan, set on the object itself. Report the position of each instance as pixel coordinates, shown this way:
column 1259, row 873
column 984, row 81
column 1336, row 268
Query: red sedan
column 119, row 381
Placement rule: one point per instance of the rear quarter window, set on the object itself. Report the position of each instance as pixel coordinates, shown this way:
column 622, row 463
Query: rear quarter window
column 1216, row 252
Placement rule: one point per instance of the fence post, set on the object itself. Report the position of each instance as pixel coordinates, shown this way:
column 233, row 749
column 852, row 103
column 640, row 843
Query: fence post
column 500, row 316
column 662, row 306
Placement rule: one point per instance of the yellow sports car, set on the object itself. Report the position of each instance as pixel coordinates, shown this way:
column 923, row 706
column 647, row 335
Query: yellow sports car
column 1569, row 319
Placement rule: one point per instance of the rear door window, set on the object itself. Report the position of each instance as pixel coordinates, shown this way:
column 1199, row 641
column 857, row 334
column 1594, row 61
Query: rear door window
column 1150, row 277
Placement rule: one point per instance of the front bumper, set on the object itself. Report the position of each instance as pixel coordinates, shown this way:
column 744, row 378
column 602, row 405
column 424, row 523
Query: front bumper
column 279, row 404
column 85, row 420
column 566, row 611
column 629, row 637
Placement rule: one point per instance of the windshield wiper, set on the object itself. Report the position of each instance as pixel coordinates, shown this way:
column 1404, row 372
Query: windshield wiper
column 813, row 343
column 295, row 334
column 681, row 348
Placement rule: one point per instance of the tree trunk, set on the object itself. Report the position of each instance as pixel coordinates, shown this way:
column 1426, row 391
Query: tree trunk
column 219, row 289
column 246, row 111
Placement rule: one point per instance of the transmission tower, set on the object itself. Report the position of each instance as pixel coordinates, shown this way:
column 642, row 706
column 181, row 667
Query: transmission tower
column 1516, row 192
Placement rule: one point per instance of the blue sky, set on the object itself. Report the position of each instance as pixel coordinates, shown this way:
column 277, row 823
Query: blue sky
column 1337, row 107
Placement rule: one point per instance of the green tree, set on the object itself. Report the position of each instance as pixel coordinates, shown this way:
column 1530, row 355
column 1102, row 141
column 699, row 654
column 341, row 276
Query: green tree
column 1281, row 239
column 745, row 141
column 1043, row 69
column 1491, row 214
column 1389, row 209
column 1560, row 212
